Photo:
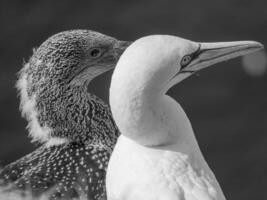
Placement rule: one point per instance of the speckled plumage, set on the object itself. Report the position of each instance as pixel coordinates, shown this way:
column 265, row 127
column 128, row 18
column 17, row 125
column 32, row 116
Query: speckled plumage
column 63, row 171
column 55, row 101
column 64, row 107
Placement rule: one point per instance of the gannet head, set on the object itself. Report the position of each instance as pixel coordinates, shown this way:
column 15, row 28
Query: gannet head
column 152, row 65
column 164, row 60
column 56, row 76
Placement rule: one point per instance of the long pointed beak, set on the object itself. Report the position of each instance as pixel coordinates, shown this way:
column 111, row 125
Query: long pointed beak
column 211, row 53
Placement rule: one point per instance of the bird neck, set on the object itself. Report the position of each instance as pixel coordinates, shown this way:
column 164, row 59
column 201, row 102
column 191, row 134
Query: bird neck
column 67, row 114
column 81, row 116
column 149, row 117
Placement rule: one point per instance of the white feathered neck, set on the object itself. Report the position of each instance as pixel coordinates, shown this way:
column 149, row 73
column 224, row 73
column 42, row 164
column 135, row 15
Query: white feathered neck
column 140, row 107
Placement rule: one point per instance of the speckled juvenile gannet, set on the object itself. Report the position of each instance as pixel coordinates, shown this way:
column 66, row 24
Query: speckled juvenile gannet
column 157, row 156
column 75, row 127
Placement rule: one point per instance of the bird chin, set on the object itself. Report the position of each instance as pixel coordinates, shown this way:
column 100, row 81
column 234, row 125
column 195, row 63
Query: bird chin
column 179, row 77
column 90, row 73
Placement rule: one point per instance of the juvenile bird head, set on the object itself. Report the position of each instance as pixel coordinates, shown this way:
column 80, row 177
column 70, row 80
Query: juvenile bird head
column 56, row 76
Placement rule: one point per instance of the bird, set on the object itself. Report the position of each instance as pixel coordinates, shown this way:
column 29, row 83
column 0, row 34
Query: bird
column 157, row 156
column 74, row 128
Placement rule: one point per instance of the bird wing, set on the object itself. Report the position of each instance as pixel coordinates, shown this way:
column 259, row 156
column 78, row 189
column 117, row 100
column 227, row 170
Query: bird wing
column 64, row 171
column 15, row 170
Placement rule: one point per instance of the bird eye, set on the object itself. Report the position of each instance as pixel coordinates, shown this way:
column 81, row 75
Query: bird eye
column 185, row 60
column 95, row 53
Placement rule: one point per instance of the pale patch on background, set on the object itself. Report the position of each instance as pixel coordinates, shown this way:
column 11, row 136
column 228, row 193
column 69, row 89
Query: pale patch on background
column 255, row 64
column 28, row 110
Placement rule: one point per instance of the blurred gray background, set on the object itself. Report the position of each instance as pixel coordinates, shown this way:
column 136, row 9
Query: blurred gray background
column 227, row 107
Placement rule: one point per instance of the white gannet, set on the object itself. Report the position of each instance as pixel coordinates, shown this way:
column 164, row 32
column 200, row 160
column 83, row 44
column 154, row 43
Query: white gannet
column 75, row 127
column 157, row 156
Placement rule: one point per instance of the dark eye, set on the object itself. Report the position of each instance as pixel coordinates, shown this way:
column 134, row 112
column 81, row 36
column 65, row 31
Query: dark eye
column 95, row 53
column 186, row 60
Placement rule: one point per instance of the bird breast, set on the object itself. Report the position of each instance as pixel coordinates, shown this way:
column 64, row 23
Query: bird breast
column 138, row 172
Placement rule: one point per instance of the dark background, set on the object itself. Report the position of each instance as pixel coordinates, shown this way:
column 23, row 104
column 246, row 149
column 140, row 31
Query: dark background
column 227, row 107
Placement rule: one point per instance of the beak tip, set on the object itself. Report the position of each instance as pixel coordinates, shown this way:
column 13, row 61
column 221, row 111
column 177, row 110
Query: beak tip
column 256, row 45
column 261, row 46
